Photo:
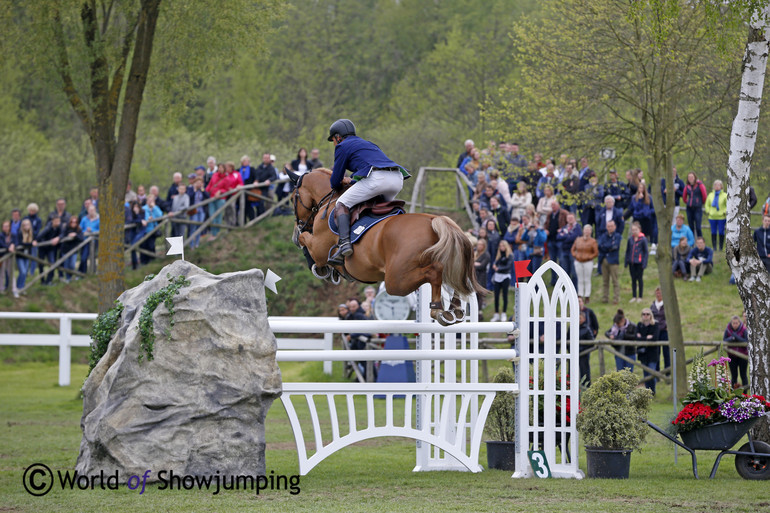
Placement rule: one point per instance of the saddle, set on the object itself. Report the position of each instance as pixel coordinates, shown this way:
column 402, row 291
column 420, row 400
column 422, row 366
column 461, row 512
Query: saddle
column 365, row 215
column 377, row 206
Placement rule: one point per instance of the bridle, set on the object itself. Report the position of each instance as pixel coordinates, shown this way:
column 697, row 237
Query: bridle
column 307, row 224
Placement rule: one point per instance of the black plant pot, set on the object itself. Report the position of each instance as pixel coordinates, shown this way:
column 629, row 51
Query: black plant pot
column 501, row 455
column 608, row 463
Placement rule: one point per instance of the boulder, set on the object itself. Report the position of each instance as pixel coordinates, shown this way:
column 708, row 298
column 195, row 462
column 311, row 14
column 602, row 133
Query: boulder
column 199, row 406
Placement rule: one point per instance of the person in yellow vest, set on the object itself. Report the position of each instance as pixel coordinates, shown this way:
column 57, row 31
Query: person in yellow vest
column 716, row 210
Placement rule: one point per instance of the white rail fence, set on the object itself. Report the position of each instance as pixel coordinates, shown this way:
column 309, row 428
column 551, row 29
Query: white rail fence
column 66, row 340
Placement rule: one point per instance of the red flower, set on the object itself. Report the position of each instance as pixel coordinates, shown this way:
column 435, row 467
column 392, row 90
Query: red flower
column 694, row 412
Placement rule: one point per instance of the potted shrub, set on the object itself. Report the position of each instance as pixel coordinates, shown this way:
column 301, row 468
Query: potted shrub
column 613, row 422
column 501, row 426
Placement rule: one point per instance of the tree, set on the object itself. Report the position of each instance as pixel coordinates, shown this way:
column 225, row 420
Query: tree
column 635, row 75
column 751, row 277
column 101, row 51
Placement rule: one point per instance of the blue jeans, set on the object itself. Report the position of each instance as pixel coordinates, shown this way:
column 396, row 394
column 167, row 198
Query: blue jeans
column 213, row 207
column 681, row 266
column 69, row 263
column 652, row 365
column 567, row 262
column 620, row 363
column 199, row 216
column 717, row 226
column 694, row 220
column 23, row 265
column 140, row 231
column 33, row 265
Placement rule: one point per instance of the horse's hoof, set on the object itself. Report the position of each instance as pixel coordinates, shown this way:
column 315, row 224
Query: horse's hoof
column 335, row 277
column 516, row 332
column 458, row 313
column 444, row 318
column 321, row 272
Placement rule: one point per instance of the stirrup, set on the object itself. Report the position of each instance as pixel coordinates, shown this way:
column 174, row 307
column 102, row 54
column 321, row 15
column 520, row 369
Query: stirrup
column 344, row 249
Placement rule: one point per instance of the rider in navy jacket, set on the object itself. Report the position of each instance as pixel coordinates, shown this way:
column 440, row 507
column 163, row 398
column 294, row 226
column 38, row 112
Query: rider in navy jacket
column 360, row 156
column 363, row 158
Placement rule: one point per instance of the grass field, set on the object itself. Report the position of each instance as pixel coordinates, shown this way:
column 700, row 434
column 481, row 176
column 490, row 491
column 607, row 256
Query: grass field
column 41, row 424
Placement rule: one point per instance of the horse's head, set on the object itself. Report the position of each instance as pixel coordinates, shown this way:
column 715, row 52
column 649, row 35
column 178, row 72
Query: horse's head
column 311, row 191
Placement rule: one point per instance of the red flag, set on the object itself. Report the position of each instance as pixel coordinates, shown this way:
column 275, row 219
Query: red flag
column 520, row 269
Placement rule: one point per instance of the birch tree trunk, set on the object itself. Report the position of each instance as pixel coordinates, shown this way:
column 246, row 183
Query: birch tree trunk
column 750, row 275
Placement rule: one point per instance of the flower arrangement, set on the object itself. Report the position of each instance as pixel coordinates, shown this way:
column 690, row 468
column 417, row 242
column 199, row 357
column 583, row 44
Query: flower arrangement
column 712, row 399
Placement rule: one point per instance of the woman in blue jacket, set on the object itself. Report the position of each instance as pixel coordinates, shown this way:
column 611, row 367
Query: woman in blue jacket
column 643, row 211
column 637, row 252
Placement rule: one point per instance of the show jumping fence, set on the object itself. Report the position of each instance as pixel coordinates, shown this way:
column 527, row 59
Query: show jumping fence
column 446, row 409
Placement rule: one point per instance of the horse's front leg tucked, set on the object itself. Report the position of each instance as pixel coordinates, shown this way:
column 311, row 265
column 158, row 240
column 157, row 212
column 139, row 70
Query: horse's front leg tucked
column 443, row 317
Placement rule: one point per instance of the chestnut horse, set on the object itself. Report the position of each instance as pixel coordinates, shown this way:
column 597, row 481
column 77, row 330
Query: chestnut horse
column 405, row 251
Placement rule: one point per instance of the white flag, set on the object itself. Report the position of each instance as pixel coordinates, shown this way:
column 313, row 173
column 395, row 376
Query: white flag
column 177, row 246
column 271, row 279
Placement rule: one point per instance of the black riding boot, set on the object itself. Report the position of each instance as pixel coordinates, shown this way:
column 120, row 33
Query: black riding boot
column 343, row 225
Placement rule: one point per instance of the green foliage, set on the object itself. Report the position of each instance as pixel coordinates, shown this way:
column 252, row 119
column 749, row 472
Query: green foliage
column 613, row 412
column 146, row 325
column 501, row 421
column 102, row 331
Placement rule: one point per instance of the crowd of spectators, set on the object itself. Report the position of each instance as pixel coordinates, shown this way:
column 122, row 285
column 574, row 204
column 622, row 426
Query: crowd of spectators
column 57, row 234
column 564, row 211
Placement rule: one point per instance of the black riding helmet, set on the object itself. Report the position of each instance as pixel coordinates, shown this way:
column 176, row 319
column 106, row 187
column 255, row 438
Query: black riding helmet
column 343, row 127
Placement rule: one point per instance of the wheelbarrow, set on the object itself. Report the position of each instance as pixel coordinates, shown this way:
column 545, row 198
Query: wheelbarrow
column 752, row 460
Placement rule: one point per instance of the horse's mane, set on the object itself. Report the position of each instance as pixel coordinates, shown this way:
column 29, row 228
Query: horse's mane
column 323, row 170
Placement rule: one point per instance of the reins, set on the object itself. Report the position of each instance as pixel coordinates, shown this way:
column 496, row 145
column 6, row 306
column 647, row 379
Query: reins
column 307, row 225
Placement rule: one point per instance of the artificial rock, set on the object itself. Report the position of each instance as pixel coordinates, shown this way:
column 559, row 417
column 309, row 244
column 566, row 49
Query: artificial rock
column 199, row 406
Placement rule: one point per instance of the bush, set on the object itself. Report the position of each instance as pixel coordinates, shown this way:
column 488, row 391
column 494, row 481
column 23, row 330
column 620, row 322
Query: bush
column 613, row 412
column 501, row 421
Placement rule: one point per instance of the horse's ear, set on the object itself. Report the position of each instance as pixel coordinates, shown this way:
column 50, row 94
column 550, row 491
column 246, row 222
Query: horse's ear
column 294, row 177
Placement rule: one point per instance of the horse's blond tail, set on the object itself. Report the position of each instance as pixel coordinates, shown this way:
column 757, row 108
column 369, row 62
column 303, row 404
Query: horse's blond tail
column 454, row 252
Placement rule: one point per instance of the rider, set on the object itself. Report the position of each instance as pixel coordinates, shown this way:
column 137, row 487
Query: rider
column 373, row 174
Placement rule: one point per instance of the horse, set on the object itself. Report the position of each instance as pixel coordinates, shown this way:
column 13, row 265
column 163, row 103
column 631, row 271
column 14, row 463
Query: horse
column 405, row 250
